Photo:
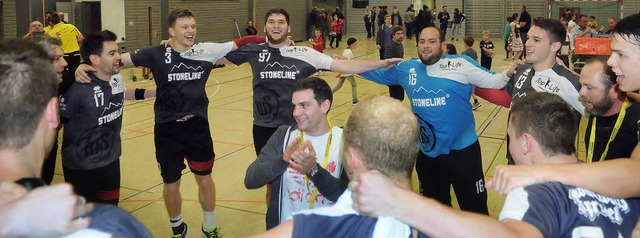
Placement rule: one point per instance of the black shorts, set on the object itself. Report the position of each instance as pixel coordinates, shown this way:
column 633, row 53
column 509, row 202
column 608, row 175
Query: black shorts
column 96, row 185
column 461, row 169
column 176, row 141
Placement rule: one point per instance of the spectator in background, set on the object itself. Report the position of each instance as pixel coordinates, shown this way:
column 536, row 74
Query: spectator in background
column 381, row 16
column 384, row 36
column 336, row 28
column 313, row 19
column 458, row 18
column 593, row 24
column 35, row 28
column 70, row 37
column 515, row 43
column 367, row 21
column 611, row 21
column 486, row 50
column 423, row 19
column 583, row 29
column 451, row 49
column 444, row 17
column 505, row 37
column 323, row 24
column 250, row 29
column 469, row 51
column 396, row 19
column 395, row 49
column 338, row 13
column 524, row 25
column 374, row 16
column 409, row 18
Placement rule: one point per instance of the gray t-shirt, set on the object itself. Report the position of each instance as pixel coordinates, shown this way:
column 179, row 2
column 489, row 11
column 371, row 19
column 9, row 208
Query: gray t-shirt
column 274, row 71
column 92, row 116
column 471, row 53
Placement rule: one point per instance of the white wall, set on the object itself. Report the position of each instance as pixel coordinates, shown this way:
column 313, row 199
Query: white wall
column 112, row 16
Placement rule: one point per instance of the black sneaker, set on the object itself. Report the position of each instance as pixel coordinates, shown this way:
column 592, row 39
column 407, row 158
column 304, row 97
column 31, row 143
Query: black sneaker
column 180, row 231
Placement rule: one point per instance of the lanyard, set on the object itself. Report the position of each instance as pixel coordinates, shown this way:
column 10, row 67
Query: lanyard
column 616, row 127
column 314, row 194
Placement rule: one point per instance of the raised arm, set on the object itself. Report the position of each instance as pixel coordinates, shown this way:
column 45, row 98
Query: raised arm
column 375, row 195
column 361, row 66
column 616, row 178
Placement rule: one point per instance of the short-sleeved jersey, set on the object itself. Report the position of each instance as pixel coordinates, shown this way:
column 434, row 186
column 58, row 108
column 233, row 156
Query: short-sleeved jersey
column 471, row 53
column 340, row 220
column 488, row 45
column 625, row 140
column 67, row 34
column 557, row 80
column 558, row 210
column 180, row 78
column 274, row 71
column 92, row 113
column 439, row 96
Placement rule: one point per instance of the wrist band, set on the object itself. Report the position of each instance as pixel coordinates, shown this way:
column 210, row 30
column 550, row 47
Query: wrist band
column 139, row 93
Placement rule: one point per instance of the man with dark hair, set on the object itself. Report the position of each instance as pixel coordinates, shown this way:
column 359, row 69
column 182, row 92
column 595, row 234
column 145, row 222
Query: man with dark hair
column 524, row 27
column 394, row 49
column 423, row 20
column 302, row 160
column 444, row 17
column 181, row 126
column 276, row 66
column 374, row 17
column 24, row 67
column 542, row 210
column 71, row 38
column 611, row 131
column 439, row 85
column 582, row 30
column 542, row 73
column 381, row 16
column 380, row 134
column 92, row 117
column 613, row 178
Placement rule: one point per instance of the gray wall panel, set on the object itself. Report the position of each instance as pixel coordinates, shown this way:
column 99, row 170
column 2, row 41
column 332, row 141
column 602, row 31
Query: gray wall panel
column 9, row 19
column 137, row 23
column 491, row 15
column 354, row 16
column 601, row 10
column 215, row 18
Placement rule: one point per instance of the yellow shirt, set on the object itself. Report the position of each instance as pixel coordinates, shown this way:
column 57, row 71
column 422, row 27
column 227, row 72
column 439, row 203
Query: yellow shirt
column 67, row 33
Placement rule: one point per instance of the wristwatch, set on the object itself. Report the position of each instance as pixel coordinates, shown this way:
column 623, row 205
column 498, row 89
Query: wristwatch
column 313, row 171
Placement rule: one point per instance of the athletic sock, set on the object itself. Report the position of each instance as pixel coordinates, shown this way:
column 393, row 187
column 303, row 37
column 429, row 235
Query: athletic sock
column 208, row 219
column 176, row 224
